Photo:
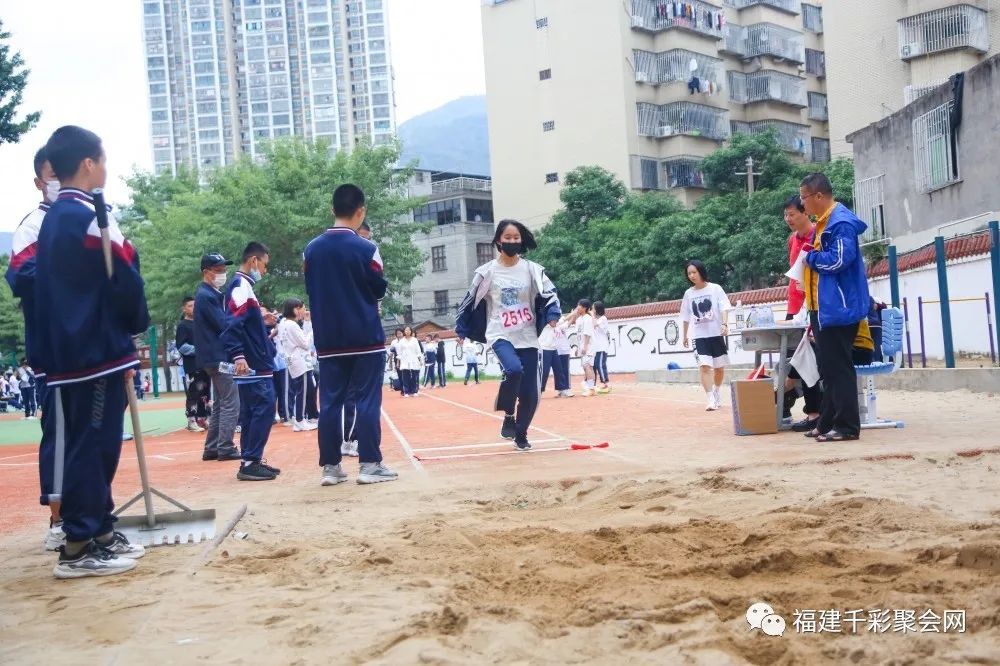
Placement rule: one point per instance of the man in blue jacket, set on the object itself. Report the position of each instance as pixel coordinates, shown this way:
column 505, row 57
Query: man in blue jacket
column 345, row 281
column 84, row 342
column 834, row 257
column 210, row 319
column 249, row 346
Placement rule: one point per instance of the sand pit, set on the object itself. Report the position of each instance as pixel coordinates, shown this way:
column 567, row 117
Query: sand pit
column 596, row 570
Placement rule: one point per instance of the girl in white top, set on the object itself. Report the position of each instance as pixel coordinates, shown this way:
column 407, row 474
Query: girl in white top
column 704, row 312
column 585, row 345
column 411, row 360
column 471, row 361
column 295, row 344
column 602, row 344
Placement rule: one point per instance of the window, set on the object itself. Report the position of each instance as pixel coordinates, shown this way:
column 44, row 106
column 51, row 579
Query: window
column 479, row 210
column 820, row 149
column 545, row 75
column 441, row 302
column 548, row 125
column 812, row 18
column 542, row 22
column 484, row 253
column 935, row 157
column 869, row 202
column 552, row 178
column 438, row 262
column 816, row 63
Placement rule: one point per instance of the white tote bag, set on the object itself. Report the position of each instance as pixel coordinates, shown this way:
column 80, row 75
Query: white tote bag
column 804, row 360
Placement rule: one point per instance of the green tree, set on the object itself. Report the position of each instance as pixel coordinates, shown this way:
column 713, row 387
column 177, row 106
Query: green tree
column 13, row 79
column 590, row 192
column 283, row 199
column 11, row 321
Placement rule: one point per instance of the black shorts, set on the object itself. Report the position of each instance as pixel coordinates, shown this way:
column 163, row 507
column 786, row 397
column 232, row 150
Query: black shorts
column 713, row 352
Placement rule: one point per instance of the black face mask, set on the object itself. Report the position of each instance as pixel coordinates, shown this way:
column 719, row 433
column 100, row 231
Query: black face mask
column 512, row 249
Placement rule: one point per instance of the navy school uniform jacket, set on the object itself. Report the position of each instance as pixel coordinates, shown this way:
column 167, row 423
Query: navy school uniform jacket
column 344, row 282
column 21, row 277
column 85, row 329
column 210, row 320
column 245, row 336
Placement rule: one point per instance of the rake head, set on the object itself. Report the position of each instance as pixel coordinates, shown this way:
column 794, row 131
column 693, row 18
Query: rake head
column 176, row 527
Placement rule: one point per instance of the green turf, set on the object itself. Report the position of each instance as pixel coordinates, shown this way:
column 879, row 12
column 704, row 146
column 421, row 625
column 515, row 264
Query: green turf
column 154, row 421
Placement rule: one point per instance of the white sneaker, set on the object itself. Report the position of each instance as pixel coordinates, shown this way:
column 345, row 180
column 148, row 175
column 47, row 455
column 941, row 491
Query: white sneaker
column 315, row 422
column 566, row 394
column 376, row 473
column 192, row 426
column 717, row 397
column 349, row 449
column 91, row 561
column 303, row 426
column 119, row 546
column 711, row 406
column 55, row 537
column 332, row 475
column 289, row 423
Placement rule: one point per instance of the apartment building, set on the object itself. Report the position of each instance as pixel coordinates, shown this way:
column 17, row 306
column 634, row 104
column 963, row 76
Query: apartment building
column 884, row 55
column 225, row 76
column 645, row 89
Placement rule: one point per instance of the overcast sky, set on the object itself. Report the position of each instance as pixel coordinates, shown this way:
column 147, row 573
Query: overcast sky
column 86, row 64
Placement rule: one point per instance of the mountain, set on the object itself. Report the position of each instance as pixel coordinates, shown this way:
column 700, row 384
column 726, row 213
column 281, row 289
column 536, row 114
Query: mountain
column 452, row 137
column 5, row 239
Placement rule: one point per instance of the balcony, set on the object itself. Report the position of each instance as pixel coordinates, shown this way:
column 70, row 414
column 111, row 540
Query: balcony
column 817, row 107
column 773, row 40
column 461, row 184
column 674, row 66
column 682, row 118
column 812, row 18
column 792, row 137
column 653, row 174
column 913, row 93
column 655, row 16
column 790, row 6
column 816, row 63
column 767, row 86
column 957, row 27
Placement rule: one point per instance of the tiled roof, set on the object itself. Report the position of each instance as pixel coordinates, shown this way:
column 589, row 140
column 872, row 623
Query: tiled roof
column 954, row 249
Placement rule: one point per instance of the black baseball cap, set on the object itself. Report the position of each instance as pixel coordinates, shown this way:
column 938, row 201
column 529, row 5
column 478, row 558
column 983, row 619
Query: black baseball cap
column 212, row 260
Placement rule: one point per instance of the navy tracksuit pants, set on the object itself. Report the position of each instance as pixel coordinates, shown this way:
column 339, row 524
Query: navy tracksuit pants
column 256, row 416
column 519, row 387
column 358, row 377
column 280, row 379
column 78, row 457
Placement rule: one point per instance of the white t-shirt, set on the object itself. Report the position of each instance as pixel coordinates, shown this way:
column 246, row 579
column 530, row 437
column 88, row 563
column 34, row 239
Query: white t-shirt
column 410, row 356
column 511, row 306
column 562, row 337
column 585, row 329
column 601, row 340
column 704, row 309
column 469, row 352
column 547, row 339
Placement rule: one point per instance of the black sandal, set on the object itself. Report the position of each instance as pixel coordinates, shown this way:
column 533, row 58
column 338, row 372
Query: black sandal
column 812, row 433
column 834, row 436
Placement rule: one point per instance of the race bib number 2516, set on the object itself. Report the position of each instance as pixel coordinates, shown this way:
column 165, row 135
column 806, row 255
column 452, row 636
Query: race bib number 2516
column 516, row 317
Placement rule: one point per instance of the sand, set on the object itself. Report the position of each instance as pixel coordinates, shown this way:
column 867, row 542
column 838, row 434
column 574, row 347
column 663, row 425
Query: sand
column 641, row 569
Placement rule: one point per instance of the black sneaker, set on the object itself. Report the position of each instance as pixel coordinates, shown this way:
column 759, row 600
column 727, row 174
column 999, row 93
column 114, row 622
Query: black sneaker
column 509, row 429
column 275, row 470
column 522, row 444
column 210, row 455
column 255, row 472
column 805, row 425
column 91, row 561
column 228, row 453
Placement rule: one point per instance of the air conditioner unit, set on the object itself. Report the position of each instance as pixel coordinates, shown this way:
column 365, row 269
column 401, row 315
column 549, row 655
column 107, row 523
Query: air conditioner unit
column 664, row 130
column 642, row 77
column 910, row 50
column 638, row 22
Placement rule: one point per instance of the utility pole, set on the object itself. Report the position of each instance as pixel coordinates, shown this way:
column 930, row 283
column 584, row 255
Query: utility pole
column 749, row 173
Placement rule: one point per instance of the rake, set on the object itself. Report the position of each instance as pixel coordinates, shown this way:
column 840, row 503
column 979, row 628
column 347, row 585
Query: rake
column 184, row 526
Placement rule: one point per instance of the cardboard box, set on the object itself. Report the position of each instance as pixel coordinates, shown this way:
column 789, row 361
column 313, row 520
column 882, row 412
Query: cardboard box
column 753, row 407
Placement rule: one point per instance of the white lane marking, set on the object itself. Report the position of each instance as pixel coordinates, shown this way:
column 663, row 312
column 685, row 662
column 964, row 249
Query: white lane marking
column 403, row 441
column 482, row 446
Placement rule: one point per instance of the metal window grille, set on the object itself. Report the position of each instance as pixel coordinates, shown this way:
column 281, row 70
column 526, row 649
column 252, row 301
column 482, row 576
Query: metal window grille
column 544, row 74
column 913, row 93
column 773, row 40
column 817, row 107
column 674, row 66
column 869, row 204
column 932, row 150
column 955, row 27
column 552, row 177
column 816, row 63
column 766, row 85
column 548, row 125
column 812, row 18
column 542, row 22
column 696, row 16
column 438, row 259
column 682, row 118
column 441, row 302
column 791, row 6
column 684, row 172
column 820, row 150
column 790, row 136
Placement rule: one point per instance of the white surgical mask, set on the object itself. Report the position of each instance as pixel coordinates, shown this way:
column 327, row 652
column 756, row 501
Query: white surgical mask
column 219, row 280
column 51, row 190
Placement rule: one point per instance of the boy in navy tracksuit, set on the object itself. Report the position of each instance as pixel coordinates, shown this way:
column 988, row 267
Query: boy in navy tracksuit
column 344, row 281
column 249, row 346
column 21, row 278
column 84, row 341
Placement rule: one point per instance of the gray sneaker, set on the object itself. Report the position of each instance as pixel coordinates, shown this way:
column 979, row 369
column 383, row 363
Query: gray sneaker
column 120, row 547
column 332, row 475
column 349, row 448
column 376, row 473
column 91, row 561
column 55, row 537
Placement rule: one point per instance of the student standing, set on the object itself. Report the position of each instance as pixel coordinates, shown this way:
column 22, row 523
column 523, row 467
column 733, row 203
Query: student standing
column 704, row 311
column 26, row 385
column 345, row 282
column 440, row 357
column 511, row 299
column 88, row 353
column 210, row 319
column 563, row 352
column 295, row 339
column 196, row 391
column 547, row 343
column 250, row 348
column 411, row 359
column 471, row 361
column 585, row 345
column 602, row 343
column 394, row 359
column 430, row 360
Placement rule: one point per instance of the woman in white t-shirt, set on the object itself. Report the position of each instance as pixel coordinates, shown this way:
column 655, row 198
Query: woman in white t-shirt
column 509, row 300
column 602, row 343
column 411, row 360
column 471, row 361
column 704, row 311
column 295, row 345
